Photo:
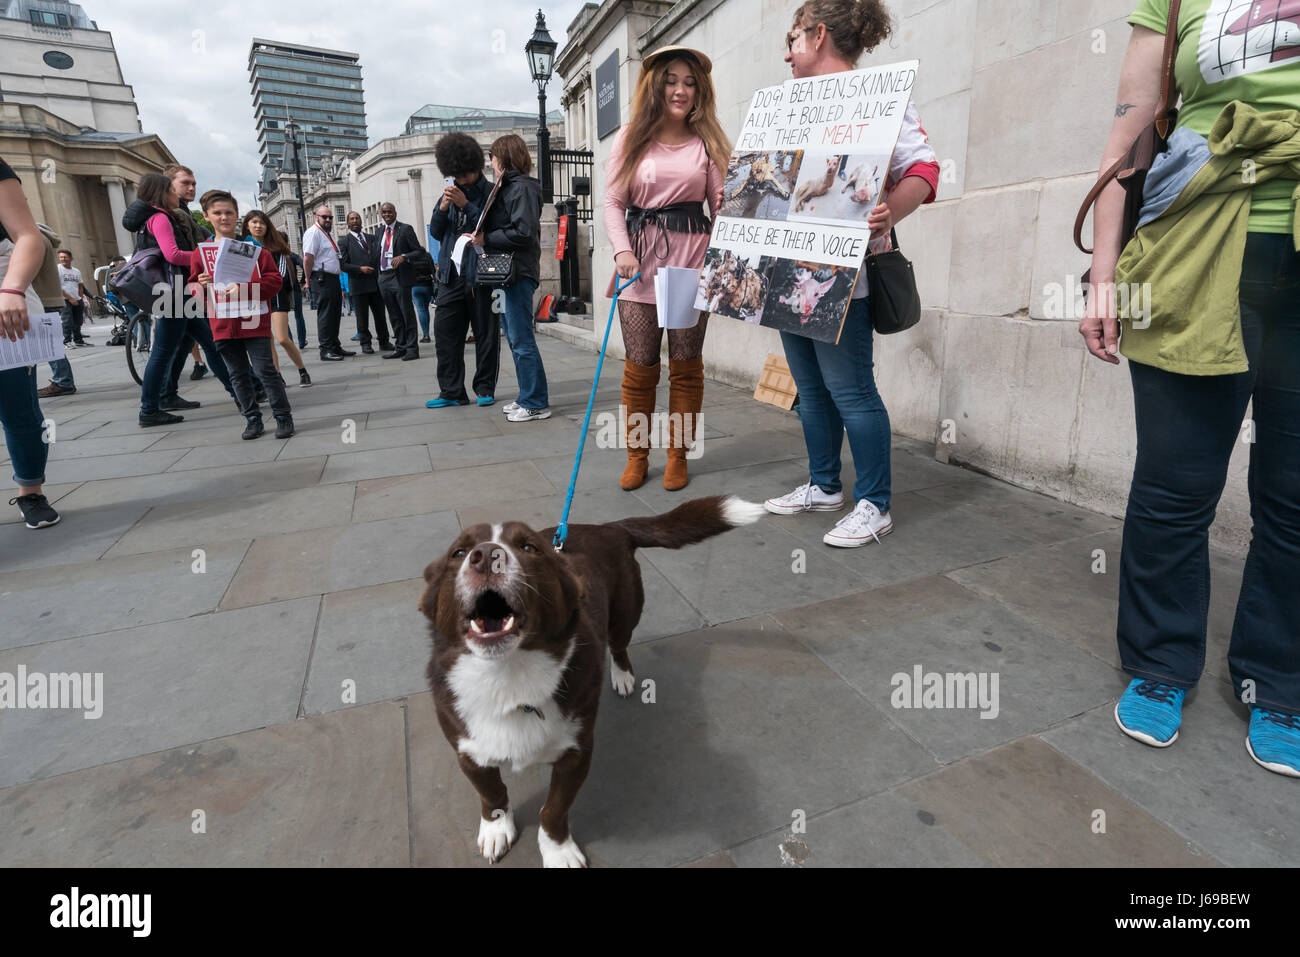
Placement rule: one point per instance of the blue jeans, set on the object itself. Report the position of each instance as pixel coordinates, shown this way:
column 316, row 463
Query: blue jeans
column 20, row 414
column 167, row 340
column 837, row 394
column 1187, row 427
column 421, row 295
column 523, row 345
column 61, row 374
column 298, row 318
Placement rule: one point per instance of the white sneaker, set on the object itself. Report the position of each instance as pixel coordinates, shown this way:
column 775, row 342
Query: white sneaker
column 520, row 414
column 509, row 407
column 862, row 526
column 806, row 498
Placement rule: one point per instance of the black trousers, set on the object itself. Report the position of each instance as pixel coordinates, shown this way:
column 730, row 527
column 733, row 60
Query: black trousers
column 458, row 309
column 401, row 313
column 248, row 357
column 329, row 310
column 368, row 303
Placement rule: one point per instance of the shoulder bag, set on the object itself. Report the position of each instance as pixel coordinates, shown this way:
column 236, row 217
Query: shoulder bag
column 891, row 284
column 493, row 269
column 1131, row 169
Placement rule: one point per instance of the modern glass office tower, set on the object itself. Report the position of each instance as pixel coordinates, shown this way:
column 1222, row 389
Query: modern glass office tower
column 320, row 89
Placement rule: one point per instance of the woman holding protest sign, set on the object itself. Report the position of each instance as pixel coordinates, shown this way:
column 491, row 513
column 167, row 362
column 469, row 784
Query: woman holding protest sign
column 666, row 163
column 837, row 388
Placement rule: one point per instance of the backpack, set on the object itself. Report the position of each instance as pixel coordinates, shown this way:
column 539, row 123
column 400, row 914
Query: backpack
column 136, row 280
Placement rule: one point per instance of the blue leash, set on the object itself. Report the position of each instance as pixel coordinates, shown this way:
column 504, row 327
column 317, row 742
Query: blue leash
column 562, row 530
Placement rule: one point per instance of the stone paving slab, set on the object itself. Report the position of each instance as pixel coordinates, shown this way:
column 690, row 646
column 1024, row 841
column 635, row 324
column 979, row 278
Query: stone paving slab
column 283, row 691
column 329, row 792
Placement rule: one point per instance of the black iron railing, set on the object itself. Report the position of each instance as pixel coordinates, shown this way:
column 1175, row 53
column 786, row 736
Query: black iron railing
column 571, row 172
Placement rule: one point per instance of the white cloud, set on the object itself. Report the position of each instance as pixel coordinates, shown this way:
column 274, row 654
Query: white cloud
column 192, row 87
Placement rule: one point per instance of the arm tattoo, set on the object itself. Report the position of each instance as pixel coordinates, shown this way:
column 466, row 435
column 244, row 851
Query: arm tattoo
column 1123, row 108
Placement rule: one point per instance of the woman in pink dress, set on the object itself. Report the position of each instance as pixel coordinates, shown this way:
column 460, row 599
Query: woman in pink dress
column 665, row 165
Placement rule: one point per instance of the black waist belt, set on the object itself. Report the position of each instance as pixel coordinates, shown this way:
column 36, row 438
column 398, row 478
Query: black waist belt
column 685, row 217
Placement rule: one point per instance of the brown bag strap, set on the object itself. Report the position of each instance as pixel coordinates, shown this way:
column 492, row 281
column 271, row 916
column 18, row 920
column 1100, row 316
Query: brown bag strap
column 1168, row 90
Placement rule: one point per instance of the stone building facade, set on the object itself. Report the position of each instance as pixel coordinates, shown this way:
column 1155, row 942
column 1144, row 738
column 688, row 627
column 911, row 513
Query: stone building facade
column 1018, row 98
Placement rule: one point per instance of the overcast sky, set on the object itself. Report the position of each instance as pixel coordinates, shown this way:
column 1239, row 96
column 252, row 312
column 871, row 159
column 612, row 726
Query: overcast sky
column 193, row 90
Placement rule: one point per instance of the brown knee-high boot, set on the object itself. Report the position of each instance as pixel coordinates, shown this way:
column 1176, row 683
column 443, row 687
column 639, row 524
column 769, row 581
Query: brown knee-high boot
column 685, row 398
column 639, row 383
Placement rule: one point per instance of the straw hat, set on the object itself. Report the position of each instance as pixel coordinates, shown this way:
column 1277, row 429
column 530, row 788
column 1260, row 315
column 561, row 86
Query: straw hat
column 649, row 60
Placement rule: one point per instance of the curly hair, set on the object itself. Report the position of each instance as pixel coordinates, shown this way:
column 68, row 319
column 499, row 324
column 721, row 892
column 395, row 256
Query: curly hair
column 458, row 154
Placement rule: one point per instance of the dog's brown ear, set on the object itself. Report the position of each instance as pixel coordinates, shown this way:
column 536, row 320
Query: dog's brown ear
column 433, row 576
column 570, row 598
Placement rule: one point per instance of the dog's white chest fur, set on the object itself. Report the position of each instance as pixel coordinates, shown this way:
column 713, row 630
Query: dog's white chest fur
column 491, row 698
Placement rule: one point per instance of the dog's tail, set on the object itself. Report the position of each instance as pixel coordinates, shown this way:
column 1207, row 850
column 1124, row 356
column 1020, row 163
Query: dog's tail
column 692, row 522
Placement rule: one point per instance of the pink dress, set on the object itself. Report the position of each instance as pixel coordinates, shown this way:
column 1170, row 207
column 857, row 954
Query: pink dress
column 666, row 175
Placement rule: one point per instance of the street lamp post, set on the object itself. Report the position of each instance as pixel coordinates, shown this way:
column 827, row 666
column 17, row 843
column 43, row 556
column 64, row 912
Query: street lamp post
column 541, row 61
column 291, row 156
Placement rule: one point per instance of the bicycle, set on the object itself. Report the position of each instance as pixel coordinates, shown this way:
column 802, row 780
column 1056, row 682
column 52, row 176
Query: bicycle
column 123, row 333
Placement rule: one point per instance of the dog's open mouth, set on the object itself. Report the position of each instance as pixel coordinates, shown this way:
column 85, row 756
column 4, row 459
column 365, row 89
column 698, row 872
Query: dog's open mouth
column 492, row 618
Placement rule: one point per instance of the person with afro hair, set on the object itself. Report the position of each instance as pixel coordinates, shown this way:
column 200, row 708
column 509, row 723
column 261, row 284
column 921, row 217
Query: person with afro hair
column 458, row 304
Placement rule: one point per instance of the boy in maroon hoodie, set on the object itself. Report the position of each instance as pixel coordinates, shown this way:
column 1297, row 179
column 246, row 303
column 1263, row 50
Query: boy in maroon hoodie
column 241, row 322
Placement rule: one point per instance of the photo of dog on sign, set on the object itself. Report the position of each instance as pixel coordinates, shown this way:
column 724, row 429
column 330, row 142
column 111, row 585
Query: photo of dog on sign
column 730, row 287
column 808, row 299
column 839, row 188
column 759, row 185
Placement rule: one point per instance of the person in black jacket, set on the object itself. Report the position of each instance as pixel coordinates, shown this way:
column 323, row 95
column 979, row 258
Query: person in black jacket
column 458, row 304
column 359, row 258
column 513, row 224
column 398, row 248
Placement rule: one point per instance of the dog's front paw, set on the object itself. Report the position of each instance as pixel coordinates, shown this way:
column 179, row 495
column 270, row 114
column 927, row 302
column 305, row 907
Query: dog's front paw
column 496, row 836
column 623, row 681
column 559, row 855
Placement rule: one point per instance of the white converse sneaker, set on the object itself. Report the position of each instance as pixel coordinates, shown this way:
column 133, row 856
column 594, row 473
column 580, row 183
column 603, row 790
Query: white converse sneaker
column 806, row 498
column 509, row 407
column 528, row 415
column 862, row 526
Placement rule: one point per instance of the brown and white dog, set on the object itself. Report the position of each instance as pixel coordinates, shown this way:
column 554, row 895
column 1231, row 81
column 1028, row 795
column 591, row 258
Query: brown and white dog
column 520, row 637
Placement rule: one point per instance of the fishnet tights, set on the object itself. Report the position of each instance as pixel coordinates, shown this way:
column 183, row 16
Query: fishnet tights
column 642, row 337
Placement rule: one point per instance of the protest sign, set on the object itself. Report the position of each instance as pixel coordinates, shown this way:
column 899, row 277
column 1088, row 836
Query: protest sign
column 809, row 164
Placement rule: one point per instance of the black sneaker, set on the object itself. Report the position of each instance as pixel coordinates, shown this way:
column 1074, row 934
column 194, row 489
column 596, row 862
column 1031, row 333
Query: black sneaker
column 168, row 405
column 283, row 426
column 36, row 510
column 159, row 418
column 304, row 379
column 200, row 370
column 253, row 429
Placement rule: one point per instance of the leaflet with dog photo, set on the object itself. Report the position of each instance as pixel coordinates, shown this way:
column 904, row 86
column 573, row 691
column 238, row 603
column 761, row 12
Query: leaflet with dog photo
column 809, row 165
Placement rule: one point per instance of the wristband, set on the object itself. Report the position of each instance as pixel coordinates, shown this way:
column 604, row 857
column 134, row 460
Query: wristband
column 15, row 292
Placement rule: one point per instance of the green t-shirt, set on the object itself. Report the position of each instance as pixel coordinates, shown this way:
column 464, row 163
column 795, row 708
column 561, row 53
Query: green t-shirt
column 1247, row 50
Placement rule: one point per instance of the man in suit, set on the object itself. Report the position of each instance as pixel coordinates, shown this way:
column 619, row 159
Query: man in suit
column 398, row 249
column 359, row 257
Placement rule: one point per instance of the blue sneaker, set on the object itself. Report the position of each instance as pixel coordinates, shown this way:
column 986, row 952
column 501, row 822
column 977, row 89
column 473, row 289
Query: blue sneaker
column 1151, row 712
column 1274, row 741
column 441, row 403
column 486, row 400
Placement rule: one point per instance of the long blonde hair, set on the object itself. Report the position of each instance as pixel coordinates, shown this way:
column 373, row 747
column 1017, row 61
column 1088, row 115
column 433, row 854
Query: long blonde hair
column 648, row 104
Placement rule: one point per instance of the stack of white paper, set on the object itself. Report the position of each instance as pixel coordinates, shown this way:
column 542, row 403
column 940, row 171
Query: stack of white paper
column 675, row 290
column 43, row 342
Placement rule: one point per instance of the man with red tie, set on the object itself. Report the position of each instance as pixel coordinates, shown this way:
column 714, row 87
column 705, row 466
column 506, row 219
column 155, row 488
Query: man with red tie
column 359, row 255
column 320, row 261
column 399, row 250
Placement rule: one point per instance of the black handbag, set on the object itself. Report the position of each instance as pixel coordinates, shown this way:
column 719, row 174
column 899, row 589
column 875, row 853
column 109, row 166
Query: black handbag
column 496, row 270
column 891, row 284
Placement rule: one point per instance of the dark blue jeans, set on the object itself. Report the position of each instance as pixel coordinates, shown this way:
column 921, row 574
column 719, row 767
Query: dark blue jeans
column 529, row 370
column 1187, row 427
column 420, row 295
column 167, row 337
column 837, row 394
column 20, row 414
